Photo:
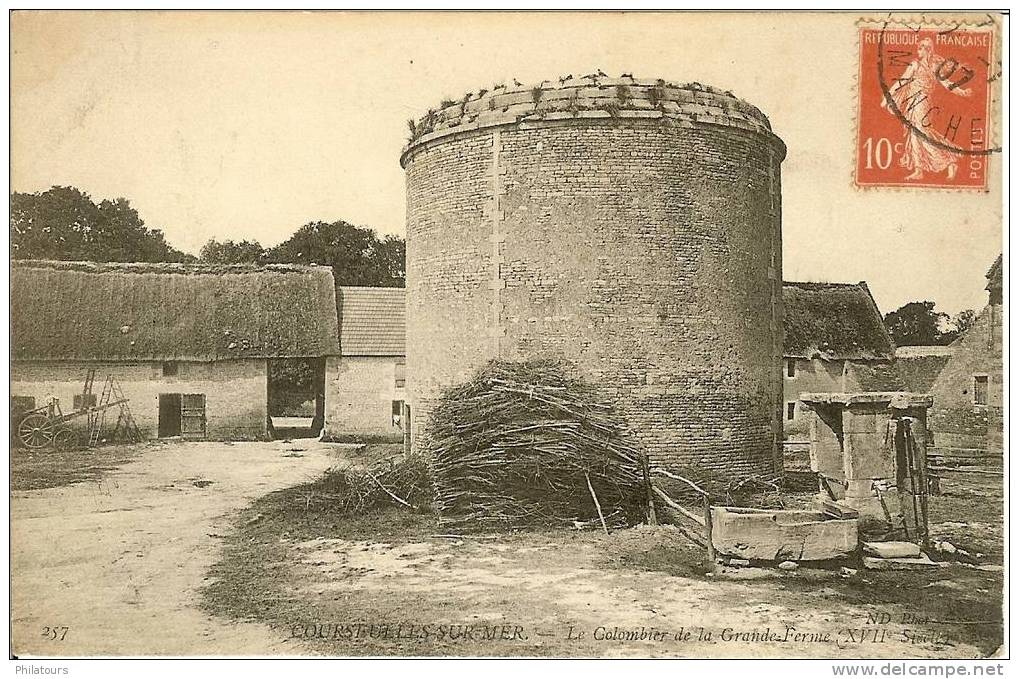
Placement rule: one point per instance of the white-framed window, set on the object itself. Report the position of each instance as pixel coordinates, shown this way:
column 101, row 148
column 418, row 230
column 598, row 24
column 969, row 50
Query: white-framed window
column 980, row 387
column 401, row 373
column 790, row 410
column 790, row 368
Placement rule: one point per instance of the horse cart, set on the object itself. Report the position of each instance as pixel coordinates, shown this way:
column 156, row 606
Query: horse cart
column 48, row 426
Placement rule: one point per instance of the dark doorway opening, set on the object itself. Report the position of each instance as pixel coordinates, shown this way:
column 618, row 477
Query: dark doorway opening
column 169, row 415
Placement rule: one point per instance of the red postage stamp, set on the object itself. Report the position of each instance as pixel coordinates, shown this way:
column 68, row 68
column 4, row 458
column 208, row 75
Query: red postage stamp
column 924, row 106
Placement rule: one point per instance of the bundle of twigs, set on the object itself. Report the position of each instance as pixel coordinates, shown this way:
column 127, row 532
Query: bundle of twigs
column 403, row 481
column 749, row 490
column 525, row 444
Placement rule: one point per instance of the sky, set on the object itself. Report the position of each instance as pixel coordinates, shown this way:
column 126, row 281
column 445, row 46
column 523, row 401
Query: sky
column 248, row 125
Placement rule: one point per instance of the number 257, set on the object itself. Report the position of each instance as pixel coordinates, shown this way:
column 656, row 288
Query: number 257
column 55, row 633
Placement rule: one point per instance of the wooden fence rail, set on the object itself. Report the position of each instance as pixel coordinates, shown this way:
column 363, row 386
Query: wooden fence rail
column 704, row 521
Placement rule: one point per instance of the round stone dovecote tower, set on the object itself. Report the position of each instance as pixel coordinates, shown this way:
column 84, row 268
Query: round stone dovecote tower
column 630, row 226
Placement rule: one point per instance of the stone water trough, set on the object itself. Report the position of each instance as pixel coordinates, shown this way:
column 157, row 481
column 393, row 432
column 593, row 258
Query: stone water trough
column 780, row 534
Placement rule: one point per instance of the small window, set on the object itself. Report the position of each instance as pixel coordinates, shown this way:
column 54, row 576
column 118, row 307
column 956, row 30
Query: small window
column 170, row 368
column 398, row 414
column 790, row 368
column 80, row 402
column 401, row 373
column 980, row 390
column 790, row 409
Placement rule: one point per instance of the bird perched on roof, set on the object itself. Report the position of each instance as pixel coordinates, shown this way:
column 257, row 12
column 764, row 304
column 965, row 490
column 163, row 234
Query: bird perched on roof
column 627, row 75
column 563, row 79
column 517, row 82
column 602, row 74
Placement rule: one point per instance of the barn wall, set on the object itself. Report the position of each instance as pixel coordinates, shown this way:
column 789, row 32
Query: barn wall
column 955, row 420
column 821, row 376
column 360, row 391
column 235, row 391
column 814, row 375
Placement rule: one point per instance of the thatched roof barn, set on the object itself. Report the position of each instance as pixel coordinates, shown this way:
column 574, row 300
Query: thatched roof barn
column 835, row 340
column 86, row 311
column 834, row 321
column 189, row 345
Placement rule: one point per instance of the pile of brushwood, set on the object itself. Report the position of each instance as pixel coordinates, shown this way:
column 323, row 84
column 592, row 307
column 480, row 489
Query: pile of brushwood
column 402, row 481
column 528, row 444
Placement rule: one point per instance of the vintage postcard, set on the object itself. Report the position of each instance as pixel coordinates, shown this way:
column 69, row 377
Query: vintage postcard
column 509, row 334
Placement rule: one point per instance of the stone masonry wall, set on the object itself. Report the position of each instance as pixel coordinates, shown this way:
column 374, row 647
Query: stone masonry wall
column 360, row 391
column 646, row 248
column 812, row 376
column 235, row 391
column 955, row 420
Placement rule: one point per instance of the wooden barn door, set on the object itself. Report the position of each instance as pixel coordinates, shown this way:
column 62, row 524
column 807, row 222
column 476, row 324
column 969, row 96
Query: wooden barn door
column 192, row 416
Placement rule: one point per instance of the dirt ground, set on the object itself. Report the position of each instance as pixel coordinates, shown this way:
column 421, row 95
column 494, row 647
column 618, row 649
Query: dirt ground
column 37, row 469
column 389, row 583
column 111, row 565
column 220, row 549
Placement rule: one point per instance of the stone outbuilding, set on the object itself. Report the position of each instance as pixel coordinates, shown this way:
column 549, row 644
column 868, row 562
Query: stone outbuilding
column 966, row 380
column 366, row 383
column 835, row 341
column 188, row 344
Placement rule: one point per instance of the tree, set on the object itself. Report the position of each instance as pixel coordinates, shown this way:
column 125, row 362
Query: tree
column 290, row 378
column 917, row 323
column 356, row 254
column 963, row 321
column 230, row 252
column 64, row 223
column 391, row 258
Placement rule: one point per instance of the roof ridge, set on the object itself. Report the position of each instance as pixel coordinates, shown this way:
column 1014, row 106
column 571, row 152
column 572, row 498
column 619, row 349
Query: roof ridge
column 834, row 321
column 371, row 287
column 87, row 266
column 823, row 283
column 259, row 313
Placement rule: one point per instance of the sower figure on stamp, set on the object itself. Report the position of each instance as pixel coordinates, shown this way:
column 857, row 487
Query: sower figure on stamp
column 925, row 151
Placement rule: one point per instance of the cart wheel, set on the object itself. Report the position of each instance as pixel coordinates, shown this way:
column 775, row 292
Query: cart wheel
column 36, row 431
column 66, row 439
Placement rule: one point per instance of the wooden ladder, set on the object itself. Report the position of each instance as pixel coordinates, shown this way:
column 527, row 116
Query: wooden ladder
column 86, row 394
column 125, row 419
column 98, row 418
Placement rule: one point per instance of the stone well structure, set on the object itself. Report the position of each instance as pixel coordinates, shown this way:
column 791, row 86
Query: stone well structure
column 631, row 226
